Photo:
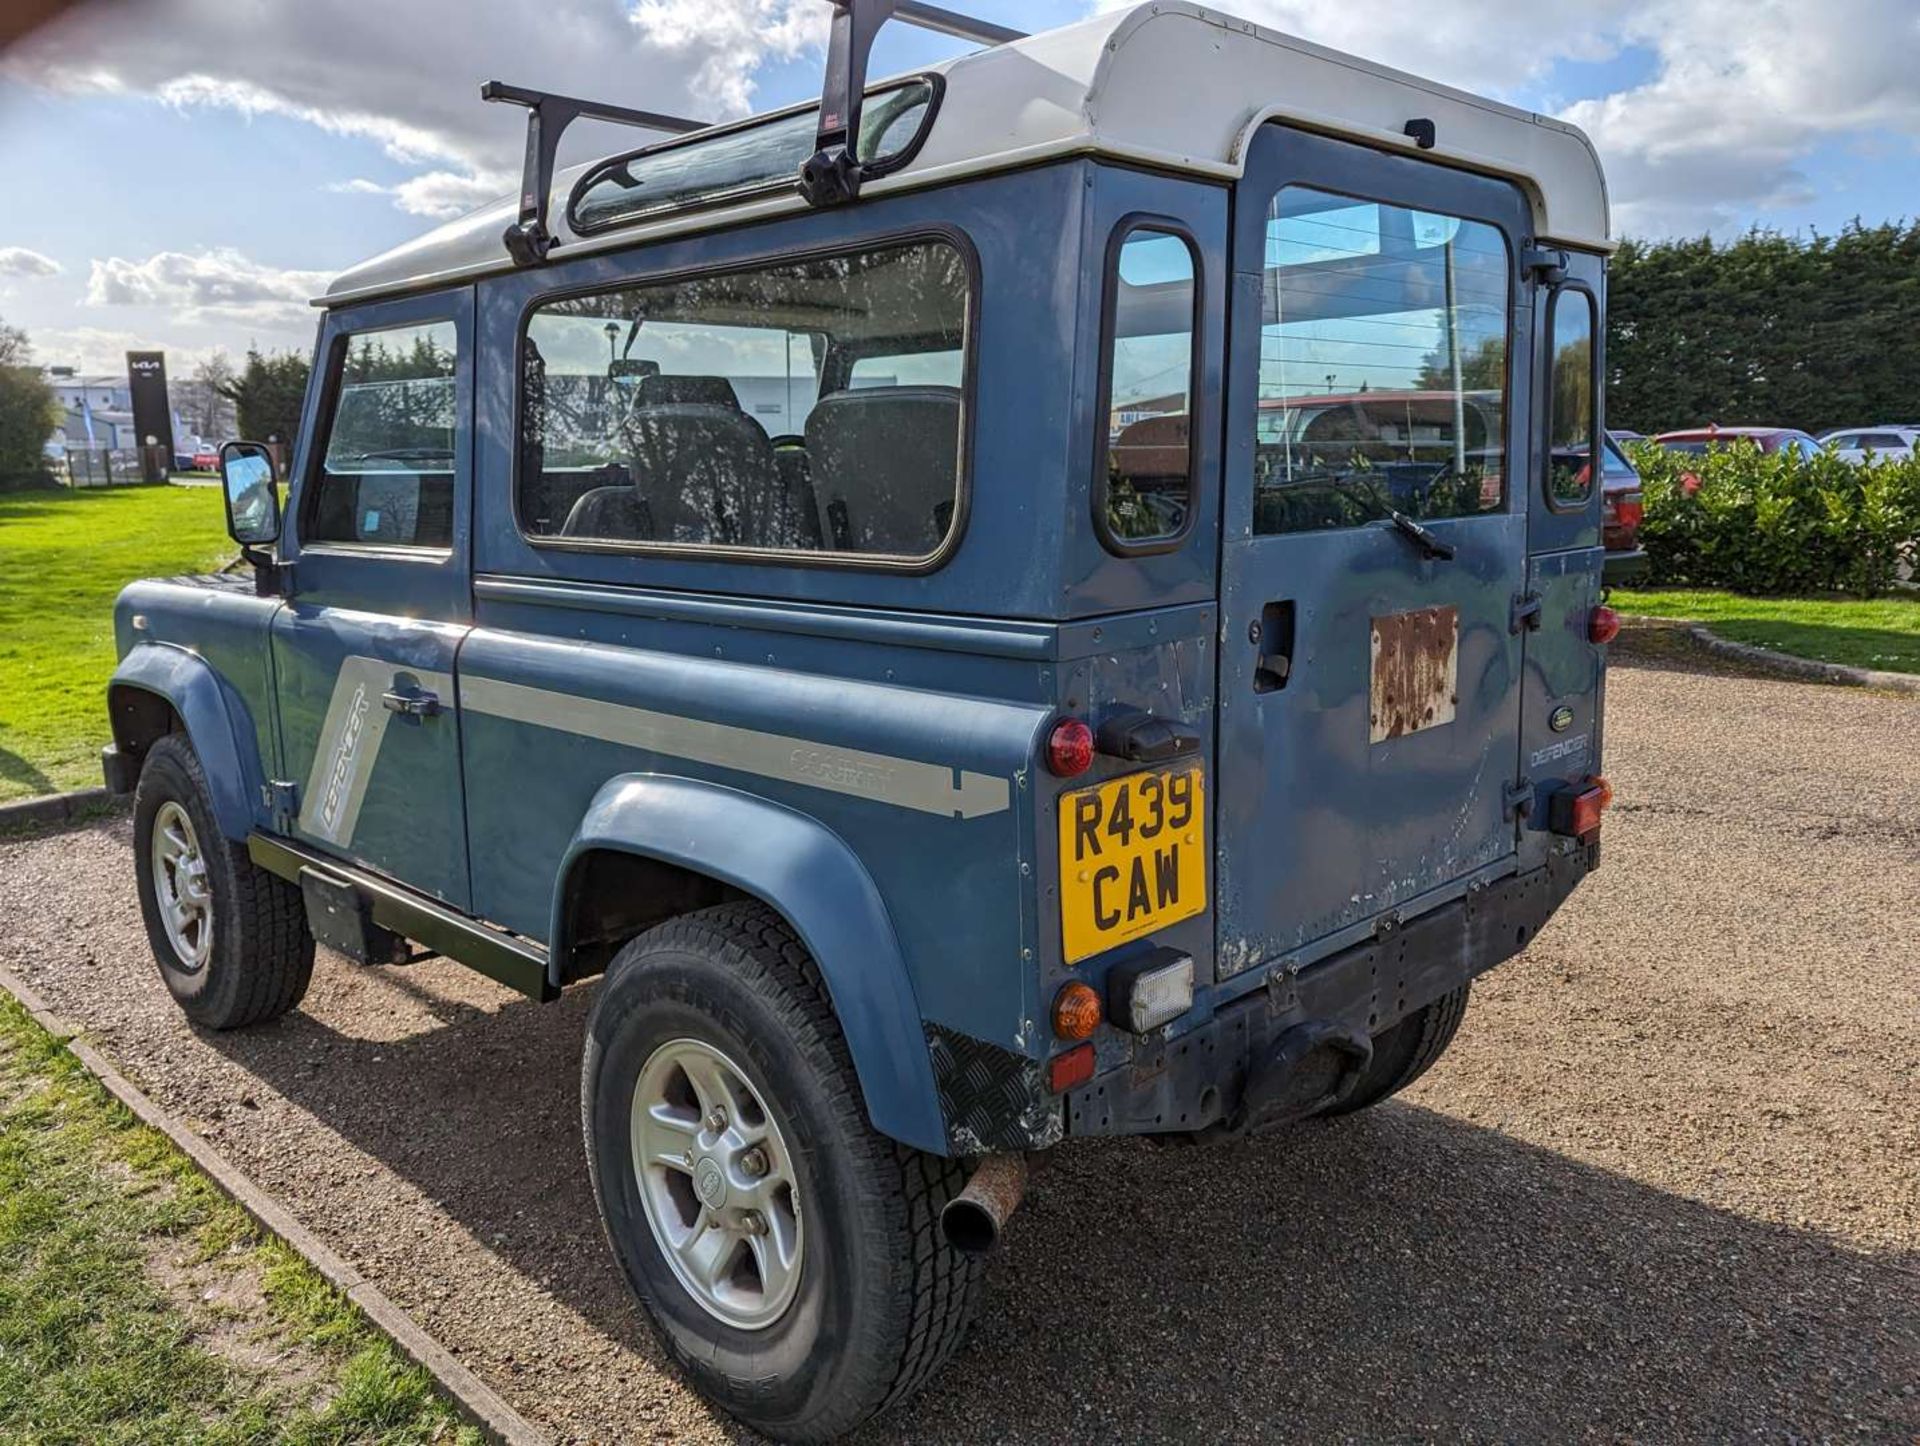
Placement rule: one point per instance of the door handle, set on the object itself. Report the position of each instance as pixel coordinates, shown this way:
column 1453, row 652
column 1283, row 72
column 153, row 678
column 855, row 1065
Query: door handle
column 414, row 703
column 1273, row 636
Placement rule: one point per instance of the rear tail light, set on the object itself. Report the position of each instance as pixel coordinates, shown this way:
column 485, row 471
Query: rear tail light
column 1689, row 483
column 1075, row 1067
column 1631, row 510
column 1603, row 625
column 1069, row 748
column 1576, row 812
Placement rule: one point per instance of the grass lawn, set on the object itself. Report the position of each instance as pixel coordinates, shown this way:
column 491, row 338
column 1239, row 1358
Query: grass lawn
column 1881, row 633
column 63, row 557
column 139, row 1304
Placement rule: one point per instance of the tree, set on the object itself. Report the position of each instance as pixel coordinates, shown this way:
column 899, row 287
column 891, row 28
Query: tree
column 268, row 395
column 204, row 398
column 29, row 413
column 1812, row 332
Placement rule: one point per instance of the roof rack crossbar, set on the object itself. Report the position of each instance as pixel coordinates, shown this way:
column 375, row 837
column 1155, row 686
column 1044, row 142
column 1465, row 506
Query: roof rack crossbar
column 528, row 240
column 833, row 174
column 952, row 22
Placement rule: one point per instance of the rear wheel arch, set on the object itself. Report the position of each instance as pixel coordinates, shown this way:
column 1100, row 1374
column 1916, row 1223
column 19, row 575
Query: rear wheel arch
column 703, row 843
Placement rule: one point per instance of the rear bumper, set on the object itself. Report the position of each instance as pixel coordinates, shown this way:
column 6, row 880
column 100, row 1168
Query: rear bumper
column 1624, row 567
column 1196, row 1080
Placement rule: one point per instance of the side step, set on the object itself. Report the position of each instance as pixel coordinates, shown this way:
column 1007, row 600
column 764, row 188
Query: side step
column 369, row 919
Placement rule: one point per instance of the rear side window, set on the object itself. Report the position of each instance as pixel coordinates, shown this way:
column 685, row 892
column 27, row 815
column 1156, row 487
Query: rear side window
column 1383, row 364
column 386, row 477
column 1145, row 483
column 812, row 408
column 1570, row 408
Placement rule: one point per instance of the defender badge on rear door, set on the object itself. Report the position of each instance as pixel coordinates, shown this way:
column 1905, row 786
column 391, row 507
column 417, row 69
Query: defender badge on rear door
column 1561, row 719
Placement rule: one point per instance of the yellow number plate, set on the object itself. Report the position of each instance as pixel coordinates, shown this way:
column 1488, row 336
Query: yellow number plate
column 1133, row 858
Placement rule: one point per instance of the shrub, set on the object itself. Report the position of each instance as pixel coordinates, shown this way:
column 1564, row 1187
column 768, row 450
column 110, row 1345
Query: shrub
column 1775, row 522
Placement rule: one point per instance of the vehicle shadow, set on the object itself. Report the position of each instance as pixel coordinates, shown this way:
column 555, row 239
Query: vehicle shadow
column 15, row 769
column 1396, row 1275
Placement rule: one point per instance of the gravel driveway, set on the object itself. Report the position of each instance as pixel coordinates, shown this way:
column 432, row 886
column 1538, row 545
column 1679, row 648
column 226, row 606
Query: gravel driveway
column 1666, row 1186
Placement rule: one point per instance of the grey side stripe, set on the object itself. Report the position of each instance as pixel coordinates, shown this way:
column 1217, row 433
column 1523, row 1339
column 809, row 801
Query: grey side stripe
column 905, row 782
column 349, row 744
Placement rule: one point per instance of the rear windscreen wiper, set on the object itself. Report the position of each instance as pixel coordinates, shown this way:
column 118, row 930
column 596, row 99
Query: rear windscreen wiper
column 1430, row 543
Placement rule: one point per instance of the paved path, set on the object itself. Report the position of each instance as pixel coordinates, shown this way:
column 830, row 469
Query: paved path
column 1666, row 1186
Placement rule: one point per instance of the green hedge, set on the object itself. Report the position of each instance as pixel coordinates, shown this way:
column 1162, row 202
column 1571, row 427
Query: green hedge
column 1776, row 523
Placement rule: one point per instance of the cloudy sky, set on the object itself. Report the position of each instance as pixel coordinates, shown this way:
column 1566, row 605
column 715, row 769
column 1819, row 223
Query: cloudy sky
column 187, row 173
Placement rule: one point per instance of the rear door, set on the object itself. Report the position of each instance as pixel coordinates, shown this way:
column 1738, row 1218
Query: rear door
column 1369, row 698
column 364, row 651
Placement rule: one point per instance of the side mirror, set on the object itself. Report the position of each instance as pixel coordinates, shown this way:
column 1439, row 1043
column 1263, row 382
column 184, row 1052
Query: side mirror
column 253, row 502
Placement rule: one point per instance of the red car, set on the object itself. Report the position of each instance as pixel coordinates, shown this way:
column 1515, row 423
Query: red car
column 1622, row 509
column 206, row 459
column 1699, row 440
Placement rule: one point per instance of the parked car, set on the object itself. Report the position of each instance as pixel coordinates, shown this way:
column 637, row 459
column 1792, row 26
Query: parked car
column 1858, row 444
column 949, row 771
column 1622, row 510
column 1700, row 440
column 206, row 459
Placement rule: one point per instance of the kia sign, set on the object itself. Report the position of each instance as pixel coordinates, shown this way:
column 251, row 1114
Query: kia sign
column 147, row 379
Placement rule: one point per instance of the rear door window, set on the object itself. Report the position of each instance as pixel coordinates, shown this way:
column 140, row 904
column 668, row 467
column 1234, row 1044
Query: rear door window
column 812, row 408
column 386, row 477
column 1383, row 364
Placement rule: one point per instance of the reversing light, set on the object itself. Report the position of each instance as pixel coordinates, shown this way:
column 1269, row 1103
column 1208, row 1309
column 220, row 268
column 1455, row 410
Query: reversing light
column 1144, row 994
column 1075, row 1067
column 1603, row 625
column 1076, row 1011
column 1069, row 748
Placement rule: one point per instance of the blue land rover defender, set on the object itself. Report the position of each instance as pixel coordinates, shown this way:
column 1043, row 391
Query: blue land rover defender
column 1053, row 596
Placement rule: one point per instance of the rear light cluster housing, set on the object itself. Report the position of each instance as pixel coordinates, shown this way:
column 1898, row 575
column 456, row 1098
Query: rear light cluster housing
column 1576, row 811
column 1603, row 625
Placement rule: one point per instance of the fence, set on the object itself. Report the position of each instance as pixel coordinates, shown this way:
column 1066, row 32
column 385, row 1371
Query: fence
column 112, row 466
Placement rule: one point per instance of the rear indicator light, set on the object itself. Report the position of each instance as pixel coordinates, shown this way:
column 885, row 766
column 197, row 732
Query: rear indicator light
column 1076, row 1011
column 1069, row 748
column 1576, row 811
column 1603, row 625
column 1075, row 1067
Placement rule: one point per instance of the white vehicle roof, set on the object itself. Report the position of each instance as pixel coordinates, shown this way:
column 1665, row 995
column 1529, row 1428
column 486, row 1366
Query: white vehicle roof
column 1166, row 84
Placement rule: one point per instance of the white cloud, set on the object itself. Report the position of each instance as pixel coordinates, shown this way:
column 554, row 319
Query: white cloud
column 440, row 195
column 407, row 76
column 19, row 261
column 1742, row 92
column 219, row 285
column 104, row 349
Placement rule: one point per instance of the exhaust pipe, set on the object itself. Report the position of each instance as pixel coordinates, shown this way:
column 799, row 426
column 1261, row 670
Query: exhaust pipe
column 973, row 1219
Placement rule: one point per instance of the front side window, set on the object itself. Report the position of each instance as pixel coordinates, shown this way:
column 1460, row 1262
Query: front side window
column 1570, row 414
column 386, row 477
column 1146, row 476
column 814, row 407
column 1383, row 365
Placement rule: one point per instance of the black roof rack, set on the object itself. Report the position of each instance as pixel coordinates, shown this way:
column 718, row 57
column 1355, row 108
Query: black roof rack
column 548, row 117
column 833, row 174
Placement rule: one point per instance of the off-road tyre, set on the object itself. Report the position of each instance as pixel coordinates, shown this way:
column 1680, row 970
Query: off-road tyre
column 1406, row 1051
column 261, row 953
column 882, row 1300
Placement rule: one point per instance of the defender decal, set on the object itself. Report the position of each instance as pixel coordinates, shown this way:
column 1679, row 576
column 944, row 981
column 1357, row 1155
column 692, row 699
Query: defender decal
column 907, row 783
column 349, row 745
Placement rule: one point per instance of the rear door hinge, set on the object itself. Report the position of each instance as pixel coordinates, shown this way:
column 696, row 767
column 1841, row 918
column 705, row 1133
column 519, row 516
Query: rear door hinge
column 1545, row 264
column 1526, row 613
column 282, row 800
column 1516, row 799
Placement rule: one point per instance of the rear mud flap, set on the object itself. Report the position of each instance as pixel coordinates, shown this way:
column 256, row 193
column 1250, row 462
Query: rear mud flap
column 1311, row 1067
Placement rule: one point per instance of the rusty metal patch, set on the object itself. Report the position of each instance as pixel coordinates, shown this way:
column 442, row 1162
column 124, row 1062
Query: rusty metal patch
column 1416, row 671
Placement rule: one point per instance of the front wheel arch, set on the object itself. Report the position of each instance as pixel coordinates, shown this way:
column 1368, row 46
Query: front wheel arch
column 735, row 845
